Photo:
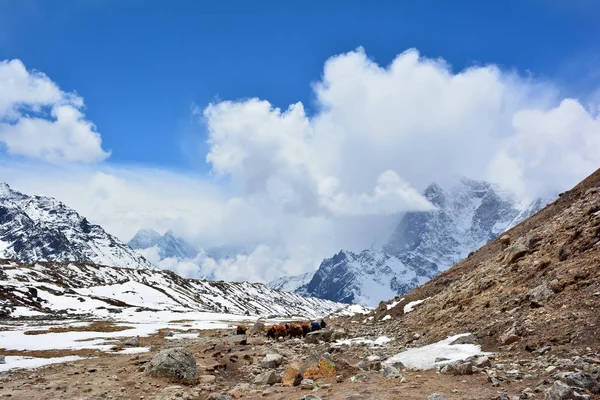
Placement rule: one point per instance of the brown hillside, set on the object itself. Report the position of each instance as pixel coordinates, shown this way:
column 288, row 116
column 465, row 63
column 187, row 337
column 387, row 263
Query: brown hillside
column 540, row 288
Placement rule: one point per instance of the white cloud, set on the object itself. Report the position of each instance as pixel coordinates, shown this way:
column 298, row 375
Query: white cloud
column 38, row 120
column 300, row 186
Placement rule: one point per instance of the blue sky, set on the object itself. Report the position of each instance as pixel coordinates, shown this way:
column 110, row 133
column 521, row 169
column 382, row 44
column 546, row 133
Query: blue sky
column 141, row 65
column 376, row 100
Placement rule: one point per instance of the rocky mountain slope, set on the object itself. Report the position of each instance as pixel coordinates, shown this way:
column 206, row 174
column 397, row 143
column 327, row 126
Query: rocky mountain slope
column 537, row 285
column 469, row 214
column 38, row 228
column 85, row 289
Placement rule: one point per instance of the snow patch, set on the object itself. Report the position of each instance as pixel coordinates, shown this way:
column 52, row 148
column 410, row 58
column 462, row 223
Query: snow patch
column 380, row 341
column 410, row 306
column 394, row 304
column 424, row 357
column 386, row 318
column 18, row 362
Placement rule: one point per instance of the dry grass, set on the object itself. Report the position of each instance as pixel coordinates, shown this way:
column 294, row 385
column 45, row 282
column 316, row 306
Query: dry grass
column 93, row 327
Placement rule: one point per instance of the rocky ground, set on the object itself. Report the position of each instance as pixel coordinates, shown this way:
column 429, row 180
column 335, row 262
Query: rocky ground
column 220, row 365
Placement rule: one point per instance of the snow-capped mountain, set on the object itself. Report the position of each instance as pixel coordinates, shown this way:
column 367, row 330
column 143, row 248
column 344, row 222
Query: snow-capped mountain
column 169, row 245
column 83, row 289
column 469, row 214
column 291, row 283
column 37, row 228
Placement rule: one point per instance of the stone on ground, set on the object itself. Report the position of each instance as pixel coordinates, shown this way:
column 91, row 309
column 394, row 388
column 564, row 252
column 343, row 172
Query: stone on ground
column 271, row 361
column 177, row 363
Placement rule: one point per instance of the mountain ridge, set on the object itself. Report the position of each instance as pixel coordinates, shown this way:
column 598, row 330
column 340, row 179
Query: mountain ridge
column 40, row 228
column 469, row 214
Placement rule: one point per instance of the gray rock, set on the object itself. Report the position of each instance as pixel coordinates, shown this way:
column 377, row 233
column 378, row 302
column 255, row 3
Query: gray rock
column 132, row 342
column 310, row 397
column 458, row 368
column 362, row 366
column 207, row 379
column 505, row 240
column 436, row 396
column 540, row 389
column 307, row 384
column 207, row 340
column 509, row 337
column 177, row 362
column 237, row 339
column 391, row 372
column 2, row 360
column 502, row 396
column 483, row 362
column 271, row 361
column 561, row 391
column 398, row 365
column 441, row 359
column 322, row 335
column 467, row 339
column 540, row 294
column 267, row 378
column 219, row 396
column 515, row 252
column 578, row 379
column 169, row 334
column 542, row 350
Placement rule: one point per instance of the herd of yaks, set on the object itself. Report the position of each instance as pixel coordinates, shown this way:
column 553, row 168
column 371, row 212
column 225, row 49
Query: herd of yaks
column 288, row 330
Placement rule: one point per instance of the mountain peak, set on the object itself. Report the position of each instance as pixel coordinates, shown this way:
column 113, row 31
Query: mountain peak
column 169, row 245
column 470, row 213
column 39, row 228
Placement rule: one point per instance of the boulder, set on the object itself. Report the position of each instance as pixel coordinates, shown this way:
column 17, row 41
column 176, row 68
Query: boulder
column 267, row 378
column 483, row 362
column 509, row 337
column 398, row 365
column 219, row 396
column 515, row 252
column 311, row 397
column 132, row 342
column 505, row 240
column 292, row 376
column 2, row 360
column 458, row 368
column 237, row 339
column 323, row 335
column 542, row 350
column 271, row 361
column 207, row 379
column 391, row 372
column 540, row 294
column 561, row 391
column 318, row 366
column 578, row 379
column 307, row 384
column 177, row 363
column 436, row 396
column 467, row 339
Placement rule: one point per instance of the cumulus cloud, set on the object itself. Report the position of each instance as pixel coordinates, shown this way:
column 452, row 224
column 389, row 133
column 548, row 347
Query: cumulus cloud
column 38, row 120
column 299, row 186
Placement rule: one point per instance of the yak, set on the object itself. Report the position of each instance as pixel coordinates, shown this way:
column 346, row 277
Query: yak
column 241, row 330
column 277, row 331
